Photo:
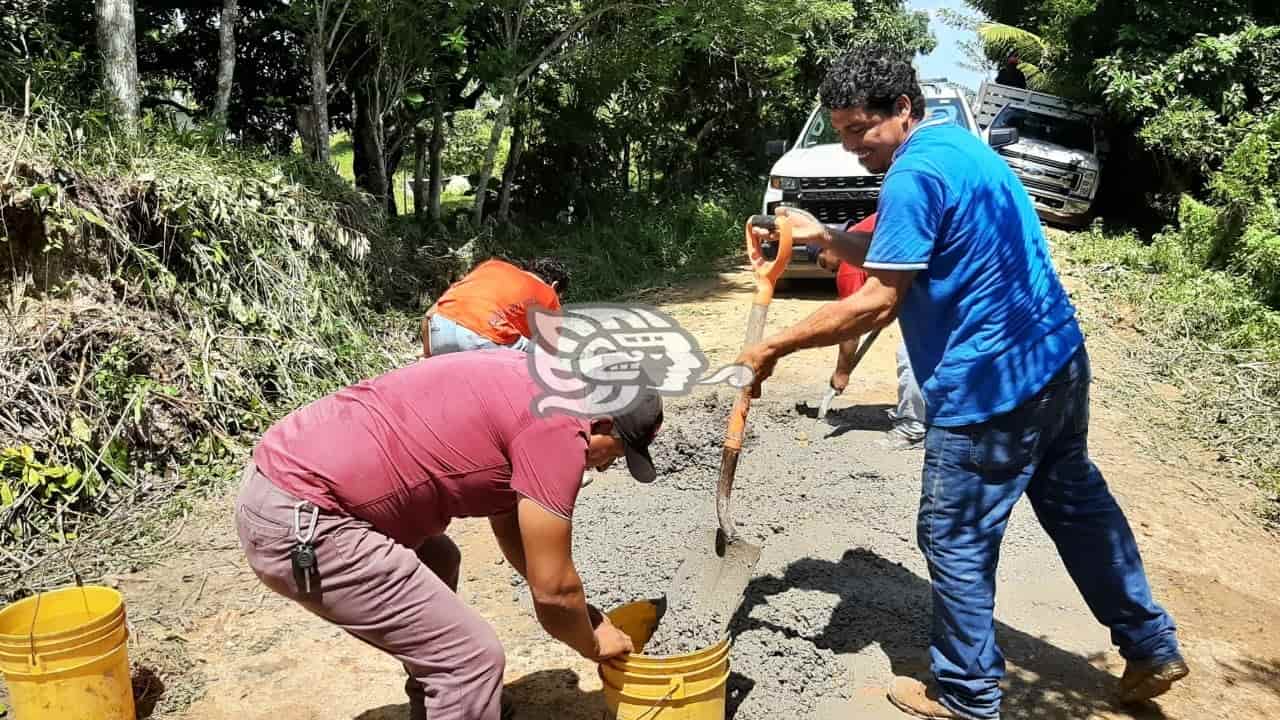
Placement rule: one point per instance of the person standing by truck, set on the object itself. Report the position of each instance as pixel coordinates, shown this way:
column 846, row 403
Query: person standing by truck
column 1012, row 75
column 908, row 417
column 960, row 256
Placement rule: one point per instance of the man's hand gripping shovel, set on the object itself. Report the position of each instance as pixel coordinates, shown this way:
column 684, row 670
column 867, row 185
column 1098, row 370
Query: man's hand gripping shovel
column 717, row 581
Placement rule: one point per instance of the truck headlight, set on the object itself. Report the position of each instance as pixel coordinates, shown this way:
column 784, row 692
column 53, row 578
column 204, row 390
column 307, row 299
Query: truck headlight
column 1087, row 179
column 778, row 182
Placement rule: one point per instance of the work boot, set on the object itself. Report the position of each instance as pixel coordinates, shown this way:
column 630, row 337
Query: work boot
column 920, row 700
column 1146, row 680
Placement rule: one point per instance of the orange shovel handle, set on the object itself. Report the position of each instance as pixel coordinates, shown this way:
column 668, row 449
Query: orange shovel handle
column 767, row 272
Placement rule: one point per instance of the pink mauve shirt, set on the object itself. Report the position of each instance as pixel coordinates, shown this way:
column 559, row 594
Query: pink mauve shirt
column 449, row 436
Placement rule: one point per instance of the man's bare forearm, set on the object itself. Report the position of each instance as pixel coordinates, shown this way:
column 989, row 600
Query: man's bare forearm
column 833, row 323
column 844, row 361
column 850, row 247
column 506, row 528
column 565, row 615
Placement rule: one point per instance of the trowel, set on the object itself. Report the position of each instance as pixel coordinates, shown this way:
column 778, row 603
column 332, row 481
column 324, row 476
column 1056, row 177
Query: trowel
column 713, row 579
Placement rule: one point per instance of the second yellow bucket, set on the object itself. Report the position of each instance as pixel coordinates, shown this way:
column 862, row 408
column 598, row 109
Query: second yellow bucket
column 64, row 656
column 651, row 687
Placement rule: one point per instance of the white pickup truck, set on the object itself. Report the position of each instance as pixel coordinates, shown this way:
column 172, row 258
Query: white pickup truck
column 1058, row 151
column 817, row 174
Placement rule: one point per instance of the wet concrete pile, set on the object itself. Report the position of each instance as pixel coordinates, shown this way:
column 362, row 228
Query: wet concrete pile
column 800, row 486
column 685, row 628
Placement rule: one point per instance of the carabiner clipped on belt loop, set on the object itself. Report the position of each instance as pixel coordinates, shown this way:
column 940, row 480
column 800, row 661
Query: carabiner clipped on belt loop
column 297, row 522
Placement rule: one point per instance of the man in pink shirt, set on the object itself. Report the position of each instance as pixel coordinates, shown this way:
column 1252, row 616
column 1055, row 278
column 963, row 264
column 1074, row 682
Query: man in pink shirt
column 346, row 502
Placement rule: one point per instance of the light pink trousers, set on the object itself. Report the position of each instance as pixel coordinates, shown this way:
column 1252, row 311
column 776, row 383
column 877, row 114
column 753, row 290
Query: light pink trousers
column 398, row 600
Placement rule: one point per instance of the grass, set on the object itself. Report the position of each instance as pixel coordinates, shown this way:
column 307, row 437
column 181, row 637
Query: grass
column 1209, row 336
column 638, row 246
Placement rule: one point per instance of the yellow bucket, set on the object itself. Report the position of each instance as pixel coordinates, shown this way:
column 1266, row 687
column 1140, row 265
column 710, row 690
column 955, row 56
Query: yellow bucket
column 64, row 655
column 651, row 687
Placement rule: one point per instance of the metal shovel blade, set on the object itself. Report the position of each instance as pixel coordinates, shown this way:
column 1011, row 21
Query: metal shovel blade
column 713, row 579
column 825, row 404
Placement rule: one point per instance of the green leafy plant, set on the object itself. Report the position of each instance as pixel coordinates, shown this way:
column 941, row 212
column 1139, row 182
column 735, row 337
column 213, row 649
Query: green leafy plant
column 21, row 475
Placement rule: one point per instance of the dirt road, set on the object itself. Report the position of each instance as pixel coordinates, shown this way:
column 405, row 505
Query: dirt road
column 841, row 601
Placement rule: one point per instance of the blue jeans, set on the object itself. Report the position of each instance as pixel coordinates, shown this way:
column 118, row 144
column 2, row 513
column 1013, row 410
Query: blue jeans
column 973, row 476
column 447, row 336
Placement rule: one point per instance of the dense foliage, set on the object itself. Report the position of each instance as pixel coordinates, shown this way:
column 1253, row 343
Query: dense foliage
column 1191, row 89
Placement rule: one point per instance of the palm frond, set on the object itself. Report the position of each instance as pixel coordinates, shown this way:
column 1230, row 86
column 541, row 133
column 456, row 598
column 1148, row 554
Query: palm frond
column 998, row 40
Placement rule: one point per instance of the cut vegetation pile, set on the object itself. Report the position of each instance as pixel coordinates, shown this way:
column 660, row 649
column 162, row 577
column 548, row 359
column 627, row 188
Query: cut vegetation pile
column 1209, row 333
column 161, row 300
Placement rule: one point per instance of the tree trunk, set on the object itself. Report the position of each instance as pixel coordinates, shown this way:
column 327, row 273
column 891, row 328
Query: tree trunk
column 490, row 153
column 119, row 50
column 391, row 164
column 304, row 115
column 369, row 160
column 419, row 172
column 319, row 95
column 626, row 165
column 226, row 59
column 436, row 150
column 509, row 172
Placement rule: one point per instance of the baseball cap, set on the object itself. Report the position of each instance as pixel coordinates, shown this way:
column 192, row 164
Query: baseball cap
column 637, row 426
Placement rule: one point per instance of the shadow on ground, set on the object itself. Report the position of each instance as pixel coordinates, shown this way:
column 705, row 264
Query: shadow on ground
column 148, row 688
column 884, row 604
column 543, row 695
column 873, row 418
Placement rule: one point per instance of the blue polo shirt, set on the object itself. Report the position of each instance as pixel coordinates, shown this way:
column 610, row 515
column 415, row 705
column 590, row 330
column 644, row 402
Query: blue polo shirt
column 987, row 323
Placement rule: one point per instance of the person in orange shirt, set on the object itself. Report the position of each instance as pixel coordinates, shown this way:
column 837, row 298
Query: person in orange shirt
column 489, row 307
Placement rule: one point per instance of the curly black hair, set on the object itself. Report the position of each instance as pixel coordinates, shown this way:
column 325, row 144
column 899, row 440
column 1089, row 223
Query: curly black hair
column 872, row 77
column 552, row 271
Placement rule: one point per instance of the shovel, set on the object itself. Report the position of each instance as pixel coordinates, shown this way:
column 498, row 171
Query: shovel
column 713, row 583
column 825, row 404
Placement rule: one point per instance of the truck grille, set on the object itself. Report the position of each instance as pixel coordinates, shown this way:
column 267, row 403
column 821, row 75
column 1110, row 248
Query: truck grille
column 1034, row 184
column 1044, row 175
column 836, row 212
column 1038, row 160
column 839, row 183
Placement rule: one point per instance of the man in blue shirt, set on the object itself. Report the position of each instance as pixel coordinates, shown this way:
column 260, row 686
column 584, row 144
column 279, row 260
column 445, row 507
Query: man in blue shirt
column 959, row 256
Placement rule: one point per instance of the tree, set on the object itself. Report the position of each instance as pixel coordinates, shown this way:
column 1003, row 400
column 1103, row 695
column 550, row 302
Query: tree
column 515, row 150
column 397, row 65
column 682, row 96
column 270, row 75
column 226, row 59
column 530, row 35
column 1000, row 40
column 119, row 59
column 326, row 25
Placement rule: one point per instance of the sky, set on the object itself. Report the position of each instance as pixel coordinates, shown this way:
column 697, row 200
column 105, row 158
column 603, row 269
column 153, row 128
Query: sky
column 945, row 60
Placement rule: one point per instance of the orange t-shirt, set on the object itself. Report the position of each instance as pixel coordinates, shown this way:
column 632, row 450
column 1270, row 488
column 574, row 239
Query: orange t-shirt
column 493, row 300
